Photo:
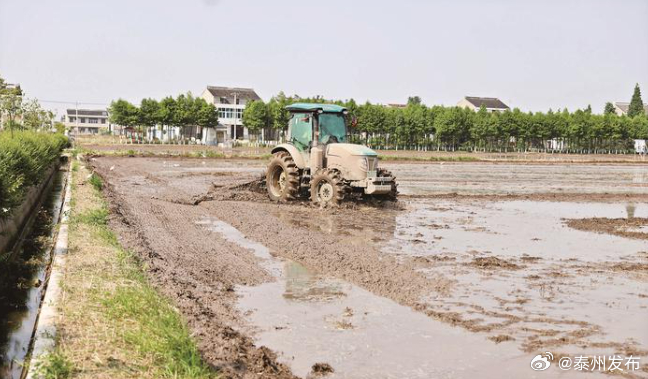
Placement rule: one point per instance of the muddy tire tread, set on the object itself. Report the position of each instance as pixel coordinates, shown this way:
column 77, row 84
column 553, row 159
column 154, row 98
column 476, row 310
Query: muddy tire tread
column 285, row 160
column 342, row 189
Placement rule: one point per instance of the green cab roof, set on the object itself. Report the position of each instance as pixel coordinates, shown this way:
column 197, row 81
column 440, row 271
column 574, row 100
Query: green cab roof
column 314, row 107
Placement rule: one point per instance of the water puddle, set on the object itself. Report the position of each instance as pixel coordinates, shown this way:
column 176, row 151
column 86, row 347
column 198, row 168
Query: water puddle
column 21, row 279
column 309, row 319
column 504, row 178
column 522, row 272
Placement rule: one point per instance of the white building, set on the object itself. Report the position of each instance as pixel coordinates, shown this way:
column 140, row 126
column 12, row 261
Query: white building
column 621, row 108
column 86, row 121
column 492, row 104
column 230, row 102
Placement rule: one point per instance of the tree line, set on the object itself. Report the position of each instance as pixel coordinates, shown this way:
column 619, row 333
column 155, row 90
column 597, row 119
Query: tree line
column 20, row 113
column 185, row 111
column 416, row 126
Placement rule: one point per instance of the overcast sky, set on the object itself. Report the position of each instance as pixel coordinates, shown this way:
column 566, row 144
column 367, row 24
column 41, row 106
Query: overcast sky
column 533, row 54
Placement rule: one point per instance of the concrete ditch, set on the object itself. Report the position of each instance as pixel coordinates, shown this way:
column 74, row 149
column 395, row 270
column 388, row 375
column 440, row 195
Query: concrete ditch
column 13, row 227
column 44, row 340
column 31, row 240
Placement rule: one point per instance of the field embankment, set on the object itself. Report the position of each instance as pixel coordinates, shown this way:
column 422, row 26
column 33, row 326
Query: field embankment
column 114, row 323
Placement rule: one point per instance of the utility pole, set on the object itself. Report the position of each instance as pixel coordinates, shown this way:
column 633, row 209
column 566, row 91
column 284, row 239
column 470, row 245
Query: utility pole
column 235, row 111
column 76, row 117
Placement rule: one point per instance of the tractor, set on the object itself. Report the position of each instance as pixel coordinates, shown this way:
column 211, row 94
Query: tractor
column 318, row 161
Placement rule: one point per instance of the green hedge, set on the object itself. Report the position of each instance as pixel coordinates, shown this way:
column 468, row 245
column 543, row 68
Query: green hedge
column 24, row 158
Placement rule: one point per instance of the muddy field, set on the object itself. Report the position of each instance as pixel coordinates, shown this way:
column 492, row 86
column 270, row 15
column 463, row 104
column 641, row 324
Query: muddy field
column 472, row 273
column 110, row 145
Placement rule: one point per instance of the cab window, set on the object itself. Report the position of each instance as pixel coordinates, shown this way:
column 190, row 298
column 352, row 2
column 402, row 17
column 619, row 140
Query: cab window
column 332, row 127
column 301, row 130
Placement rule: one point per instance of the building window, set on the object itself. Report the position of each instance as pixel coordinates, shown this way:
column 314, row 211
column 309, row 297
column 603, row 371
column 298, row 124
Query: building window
column 82, row 120
column 239, row 113
column 93, row 121
column 72, row 119
column 103, row 120
column 226, row 113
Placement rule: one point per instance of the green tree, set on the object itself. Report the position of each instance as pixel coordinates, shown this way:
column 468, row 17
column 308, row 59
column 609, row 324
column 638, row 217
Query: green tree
column 255, row 116
column 124, row 113
column 414, row 100
column 207, row 115
column 453, row 127
column 34, row 117
column 149, row 113
column 11, row 106
column 636, row 107
column 185, row 112
column 416, row 121
column 609, row 108
column 277, row 113
column 6, row 90
column 167, row 114
column 639, row 127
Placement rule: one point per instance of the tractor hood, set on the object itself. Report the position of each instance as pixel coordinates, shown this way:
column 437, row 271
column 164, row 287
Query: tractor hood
column 353, row 161
column 346, row 149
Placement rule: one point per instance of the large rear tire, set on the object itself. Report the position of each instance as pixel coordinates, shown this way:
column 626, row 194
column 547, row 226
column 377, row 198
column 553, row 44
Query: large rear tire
column 282, row 177
column 327, row 187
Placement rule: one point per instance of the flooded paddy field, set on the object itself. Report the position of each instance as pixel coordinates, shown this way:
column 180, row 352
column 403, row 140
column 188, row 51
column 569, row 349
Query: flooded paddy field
column 476, row 269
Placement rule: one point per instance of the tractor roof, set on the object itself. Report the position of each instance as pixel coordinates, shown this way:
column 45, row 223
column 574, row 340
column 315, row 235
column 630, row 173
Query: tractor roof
column 314, row 107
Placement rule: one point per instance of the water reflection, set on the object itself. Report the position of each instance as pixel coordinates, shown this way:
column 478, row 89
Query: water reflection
column 630, row 209
column 302, row 285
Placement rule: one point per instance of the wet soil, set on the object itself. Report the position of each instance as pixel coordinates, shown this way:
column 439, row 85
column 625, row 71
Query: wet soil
column 510, row 271
column 626, row 227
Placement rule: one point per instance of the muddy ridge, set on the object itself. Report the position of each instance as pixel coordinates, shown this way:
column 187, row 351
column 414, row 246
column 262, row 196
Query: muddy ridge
column 634, row 227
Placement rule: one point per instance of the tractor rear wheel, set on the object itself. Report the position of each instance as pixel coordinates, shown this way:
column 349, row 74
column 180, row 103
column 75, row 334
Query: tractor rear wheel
column 282, row 177
column 327, row 187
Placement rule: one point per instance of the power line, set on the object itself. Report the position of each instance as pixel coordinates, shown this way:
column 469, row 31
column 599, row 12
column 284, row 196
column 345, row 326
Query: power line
column 70, row 102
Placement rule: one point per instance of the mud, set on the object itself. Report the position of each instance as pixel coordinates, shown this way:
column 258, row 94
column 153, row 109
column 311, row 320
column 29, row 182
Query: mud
column 513, row 275
column 625, row 227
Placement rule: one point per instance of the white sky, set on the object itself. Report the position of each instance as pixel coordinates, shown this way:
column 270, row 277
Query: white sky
column 533, row 54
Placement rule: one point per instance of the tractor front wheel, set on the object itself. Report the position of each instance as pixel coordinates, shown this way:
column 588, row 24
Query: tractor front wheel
column 282, row 177
column 327, row 187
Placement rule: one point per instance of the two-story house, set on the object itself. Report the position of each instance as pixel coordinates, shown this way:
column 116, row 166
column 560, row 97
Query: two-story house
column 86, row 121
column 230, row 102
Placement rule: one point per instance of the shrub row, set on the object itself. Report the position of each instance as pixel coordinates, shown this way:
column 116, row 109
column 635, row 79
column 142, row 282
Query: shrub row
column 24, row 158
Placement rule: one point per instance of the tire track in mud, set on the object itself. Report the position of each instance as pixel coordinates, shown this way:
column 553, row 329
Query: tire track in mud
column 198, row 272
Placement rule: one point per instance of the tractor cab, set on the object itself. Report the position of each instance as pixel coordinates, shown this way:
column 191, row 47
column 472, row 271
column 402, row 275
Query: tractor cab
column 327, row 121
